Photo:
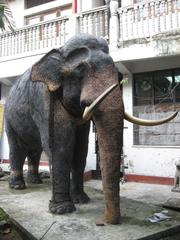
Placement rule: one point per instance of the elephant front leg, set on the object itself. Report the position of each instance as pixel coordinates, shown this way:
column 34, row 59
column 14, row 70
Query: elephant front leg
column 78, row 164
column 62, row 153
column 110, row 135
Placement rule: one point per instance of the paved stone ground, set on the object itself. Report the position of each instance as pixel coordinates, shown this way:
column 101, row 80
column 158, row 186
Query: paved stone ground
column 138, row 201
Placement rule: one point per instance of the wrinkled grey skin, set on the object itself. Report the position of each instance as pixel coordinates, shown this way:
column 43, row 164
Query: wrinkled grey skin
column 44, row 112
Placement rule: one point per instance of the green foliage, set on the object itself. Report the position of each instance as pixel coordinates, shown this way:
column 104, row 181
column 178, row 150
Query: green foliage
column 124, row 80
column 6, row 17
column 3, row 215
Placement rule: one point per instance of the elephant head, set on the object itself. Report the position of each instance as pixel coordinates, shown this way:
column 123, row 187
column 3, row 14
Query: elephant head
column 82, row 72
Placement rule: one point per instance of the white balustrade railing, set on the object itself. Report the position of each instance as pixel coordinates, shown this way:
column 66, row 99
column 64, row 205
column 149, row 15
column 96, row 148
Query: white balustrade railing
column 45, row 35
column 141, row 20
column 34, row 38
column 147, row 19
column 95, row 22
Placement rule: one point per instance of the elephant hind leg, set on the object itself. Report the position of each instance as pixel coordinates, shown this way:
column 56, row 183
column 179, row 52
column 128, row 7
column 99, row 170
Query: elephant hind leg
column 17, row 156
column 33, row 166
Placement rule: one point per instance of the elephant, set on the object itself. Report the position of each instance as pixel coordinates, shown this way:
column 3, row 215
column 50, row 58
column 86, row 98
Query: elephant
column 49, row 109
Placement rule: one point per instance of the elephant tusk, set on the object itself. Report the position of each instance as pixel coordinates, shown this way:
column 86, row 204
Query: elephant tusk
column 144, row 122
column 88, row 110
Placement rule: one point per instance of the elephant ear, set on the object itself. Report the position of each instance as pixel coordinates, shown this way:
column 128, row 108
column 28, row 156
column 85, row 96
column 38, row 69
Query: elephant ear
column 73, row 58
column 57, row 64
column 47, row 70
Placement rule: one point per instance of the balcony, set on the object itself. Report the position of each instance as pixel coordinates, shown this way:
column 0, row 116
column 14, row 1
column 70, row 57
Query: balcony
column 139, row 23
column 148, row 19
column 39, row 38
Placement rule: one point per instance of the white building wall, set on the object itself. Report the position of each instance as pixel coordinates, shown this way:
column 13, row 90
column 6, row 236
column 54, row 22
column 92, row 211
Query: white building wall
column 17, row 8
column 91, row 158
column 150, row 161
column 4, row 147
column 145, row 160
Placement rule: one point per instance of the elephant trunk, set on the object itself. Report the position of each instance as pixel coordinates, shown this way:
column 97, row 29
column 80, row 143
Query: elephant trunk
column 109, row 125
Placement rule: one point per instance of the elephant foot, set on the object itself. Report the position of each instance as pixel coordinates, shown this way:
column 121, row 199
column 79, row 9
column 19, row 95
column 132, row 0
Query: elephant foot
column 112, row 213
column 80, row 197
column 33, row 178
column 17, row 182
column 61, row 207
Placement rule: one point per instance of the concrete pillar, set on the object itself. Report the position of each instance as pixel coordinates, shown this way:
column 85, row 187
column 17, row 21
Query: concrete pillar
column 74, row 6
column 79, row 6
column 114, row 23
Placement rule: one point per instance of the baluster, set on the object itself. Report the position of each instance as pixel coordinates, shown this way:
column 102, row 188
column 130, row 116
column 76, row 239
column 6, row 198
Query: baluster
column 96, row 24
column 43, row 29
column 141, row 20
column 126, row 23
column 131, row 19
column 86, row 23
column 136, row 32
column 28, row 40
column 0, row 46
column 35, row 37
column 17, row 42
column 10, row 50
column 20, row 41
column 91, row 23
column 59, row 32
column 32, row 38
column 24, row 39
column 146, row 21
column 39, row 36
column 44, row 35
column 164, row 13
column 14, row 43
column 101, row 19
column 169, row 3
column 7, row 44
column 158, row 17
column 176, row 12
column 53, row 33
column 106, row 26
column 64, row 31
column 81, row 24
column 4, row 47
column 47, row 34
column 152, row 29
column 120, row 24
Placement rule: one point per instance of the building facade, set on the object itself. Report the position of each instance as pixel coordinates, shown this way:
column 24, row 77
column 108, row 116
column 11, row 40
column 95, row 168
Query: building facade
column 144, row 40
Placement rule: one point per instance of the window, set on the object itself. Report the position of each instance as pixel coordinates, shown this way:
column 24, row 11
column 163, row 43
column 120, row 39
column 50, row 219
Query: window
column 33, row 3
column 156, row 95
column 49, row 15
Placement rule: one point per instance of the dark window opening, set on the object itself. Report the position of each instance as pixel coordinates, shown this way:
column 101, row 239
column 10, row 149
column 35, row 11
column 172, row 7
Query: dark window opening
column 157, row 95
column 33, row 3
